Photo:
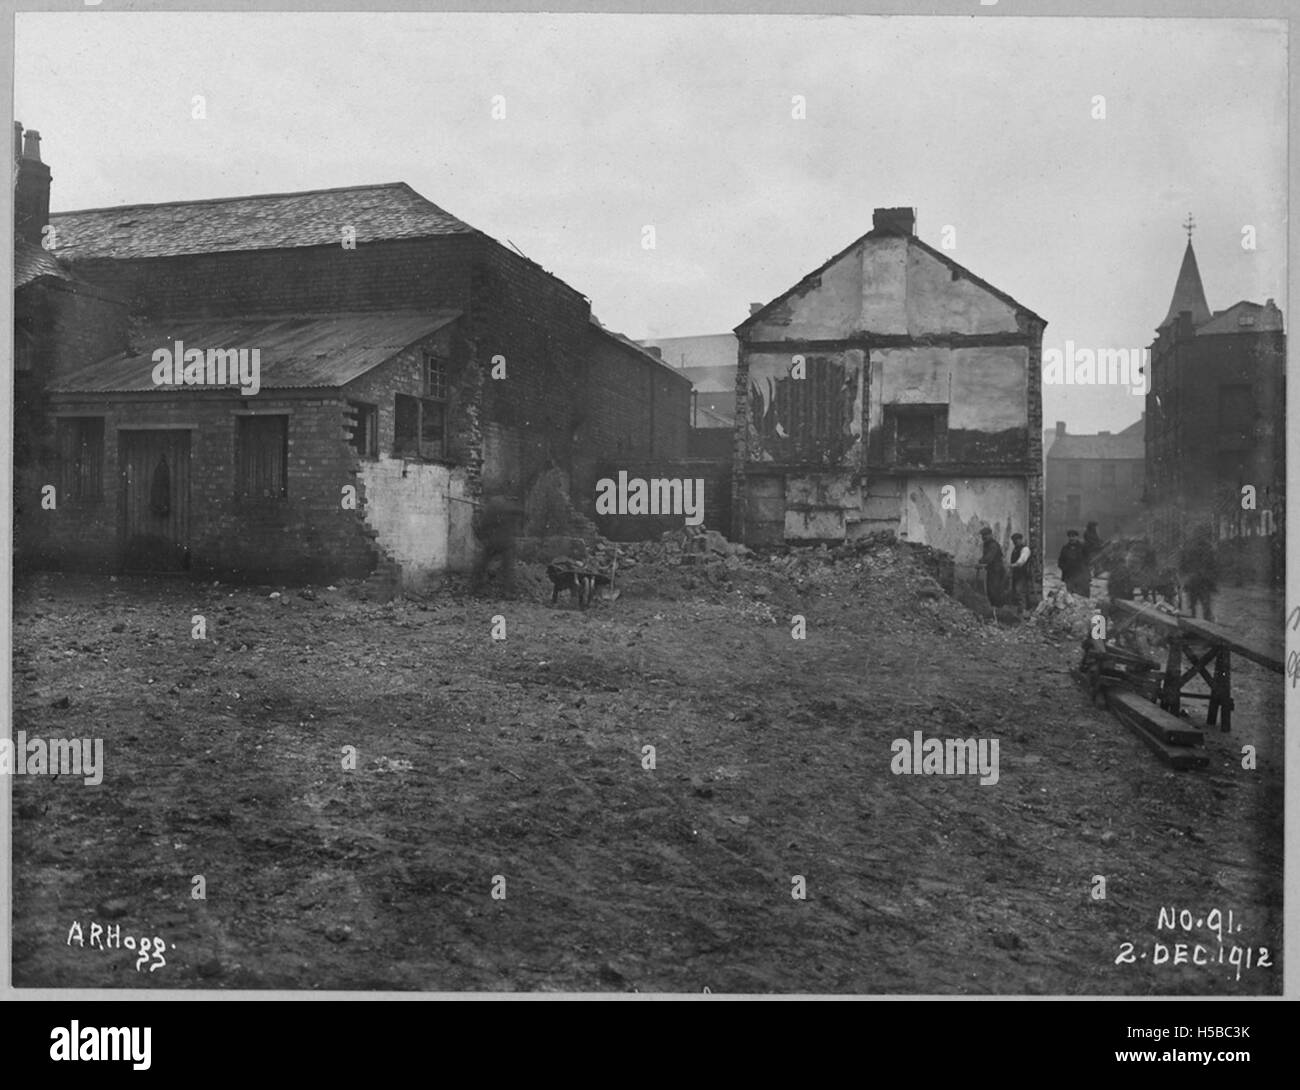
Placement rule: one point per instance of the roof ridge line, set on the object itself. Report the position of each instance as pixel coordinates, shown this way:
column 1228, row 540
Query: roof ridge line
column 252, row 197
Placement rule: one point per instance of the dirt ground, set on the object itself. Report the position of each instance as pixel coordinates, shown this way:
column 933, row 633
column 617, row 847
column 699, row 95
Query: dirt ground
column 515, row 766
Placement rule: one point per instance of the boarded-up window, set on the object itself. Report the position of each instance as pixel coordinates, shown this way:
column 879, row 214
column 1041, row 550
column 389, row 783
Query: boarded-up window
column 363, row 420
column 419, row 427
column 81, row 456
column 815, row 412
column 1073, row 507
column 1107, row 475
column 1073, row 473
column 916, row 435
column 263, row 457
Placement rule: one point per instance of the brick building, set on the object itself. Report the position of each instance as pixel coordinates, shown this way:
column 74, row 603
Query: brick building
column 61, row 322
column 709, row 361
column 916, row 375
column 1094, row 478
column 408, row 363
column 1216, row 414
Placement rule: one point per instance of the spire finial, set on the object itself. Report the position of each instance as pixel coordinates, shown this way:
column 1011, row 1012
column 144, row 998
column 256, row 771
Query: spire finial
column 1189, row 226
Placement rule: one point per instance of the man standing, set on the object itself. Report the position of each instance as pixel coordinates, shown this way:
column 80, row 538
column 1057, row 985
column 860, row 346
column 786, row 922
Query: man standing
column 1020, row 557
column 995, row 573
column 1092, row 543
column 496, row 526
column 1200, row 571
column 1073, row 563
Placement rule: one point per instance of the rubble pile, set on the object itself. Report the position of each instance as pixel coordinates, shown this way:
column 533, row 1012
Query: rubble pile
column 1065, row 612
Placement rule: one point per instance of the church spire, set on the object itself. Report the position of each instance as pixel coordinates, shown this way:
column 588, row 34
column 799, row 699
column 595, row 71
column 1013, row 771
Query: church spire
column 1188, row 293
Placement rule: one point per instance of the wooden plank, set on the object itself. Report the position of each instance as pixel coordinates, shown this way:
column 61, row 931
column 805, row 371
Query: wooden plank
column 1134, row 713
column 1146, row 615
column 1255, row 650
column 1169, row 728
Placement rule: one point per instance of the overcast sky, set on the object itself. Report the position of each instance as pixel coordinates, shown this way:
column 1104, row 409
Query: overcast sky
column 685, row 123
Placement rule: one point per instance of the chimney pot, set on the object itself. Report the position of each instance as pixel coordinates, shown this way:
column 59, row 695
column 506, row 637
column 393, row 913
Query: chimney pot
column 1060, row 427
column 894, row 221
column 31, row 187
column 754, row 308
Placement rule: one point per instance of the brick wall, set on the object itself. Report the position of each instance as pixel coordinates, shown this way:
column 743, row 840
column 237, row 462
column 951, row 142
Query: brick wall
column 424, row 273
column 421, row 512
column 1035, row 535
column 636, row 409
column 307, row 535
column 61, row 326
column 1189, row 457
column 544, row 413
column 538, row 324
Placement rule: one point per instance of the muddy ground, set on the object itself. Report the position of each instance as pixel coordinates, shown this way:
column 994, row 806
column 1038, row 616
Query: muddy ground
column 522, row 759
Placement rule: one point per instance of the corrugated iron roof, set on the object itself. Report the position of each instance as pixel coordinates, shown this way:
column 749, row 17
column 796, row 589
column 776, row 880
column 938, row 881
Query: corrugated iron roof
column 297, row 352
column 265, row 222
column 31, row 262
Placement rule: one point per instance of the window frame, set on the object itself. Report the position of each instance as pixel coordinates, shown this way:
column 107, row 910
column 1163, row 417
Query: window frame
column 937, row 413
column 418, row 448
column 242, row 461
column 366, row 416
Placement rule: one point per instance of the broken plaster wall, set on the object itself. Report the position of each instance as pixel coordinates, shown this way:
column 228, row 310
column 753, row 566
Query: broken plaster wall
column 815, row 419
column 1001, row 504
column 886, row 286
column 985, row 389
column 420, row 515
column 910, row 328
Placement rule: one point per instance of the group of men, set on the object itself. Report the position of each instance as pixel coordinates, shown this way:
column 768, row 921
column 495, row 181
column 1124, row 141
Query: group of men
column 996, row 572
column 1197, row 568
column 1134, row 562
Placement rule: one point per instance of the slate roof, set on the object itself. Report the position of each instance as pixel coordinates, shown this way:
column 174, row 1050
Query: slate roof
column 627, row 342
column 31, row 262
column 265, row 222
column 1127, row 445
column 297, row 352
column 1188, row 292
column 1259, row 319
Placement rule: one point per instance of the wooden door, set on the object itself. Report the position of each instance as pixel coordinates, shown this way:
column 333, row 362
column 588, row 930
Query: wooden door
column 155, row 500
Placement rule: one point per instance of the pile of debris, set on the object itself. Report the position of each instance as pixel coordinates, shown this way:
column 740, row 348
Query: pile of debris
column 1066, row 612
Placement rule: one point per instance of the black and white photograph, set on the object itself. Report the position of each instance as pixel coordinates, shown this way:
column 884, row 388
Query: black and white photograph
column 648, row 504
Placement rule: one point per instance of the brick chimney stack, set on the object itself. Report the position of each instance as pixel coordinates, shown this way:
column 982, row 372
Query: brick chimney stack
column 754, row 308
column 1060, row 427
column 894, row 221
column 31, row 188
